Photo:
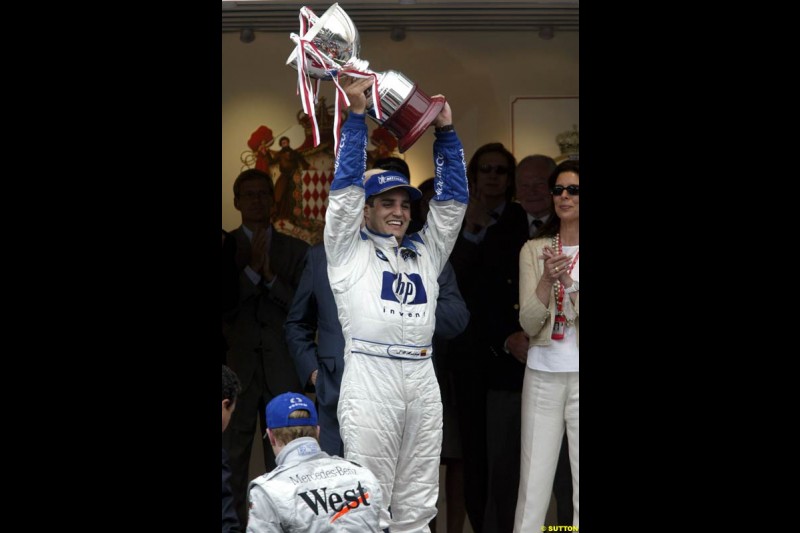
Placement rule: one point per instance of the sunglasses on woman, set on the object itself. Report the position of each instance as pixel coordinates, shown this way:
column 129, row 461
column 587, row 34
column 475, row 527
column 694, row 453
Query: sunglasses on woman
column 572, row 190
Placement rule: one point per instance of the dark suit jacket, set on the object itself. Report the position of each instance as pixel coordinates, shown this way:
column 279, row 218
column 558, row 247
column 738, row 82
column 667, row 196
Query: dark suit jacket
column 230, row 522
column 254, row 315
column 314, row 312
column 488, row 275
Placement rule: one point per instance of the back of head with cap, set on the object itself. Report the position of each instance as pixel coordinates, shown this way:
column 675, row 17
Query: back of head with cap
column 290, row 416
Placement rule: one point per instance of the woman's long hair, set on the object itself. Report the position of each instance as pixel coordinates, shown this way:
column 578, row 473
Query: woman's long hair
column 511, row 163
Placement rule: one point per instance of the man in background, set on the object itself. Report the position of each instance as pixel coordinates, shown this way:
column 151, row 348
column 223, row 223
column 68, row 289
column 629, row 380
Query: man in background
column 532, row 191
column 230, row 390
column 261, row 270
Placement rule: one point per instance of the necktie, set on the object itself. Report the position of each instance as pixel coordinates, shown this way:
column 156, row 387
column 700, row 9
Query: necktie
column 535, row 225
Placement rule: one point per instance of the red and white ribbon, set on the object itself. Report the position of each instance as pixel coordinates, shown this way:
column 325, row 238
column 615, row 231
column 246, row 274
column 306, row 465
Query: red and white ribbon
column 341, row 98
column 306, row 51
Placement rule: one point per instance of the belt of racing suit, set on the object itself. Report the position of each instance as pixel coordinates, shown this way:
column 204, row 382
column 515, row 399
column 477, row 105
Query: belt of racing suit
column 392, row 351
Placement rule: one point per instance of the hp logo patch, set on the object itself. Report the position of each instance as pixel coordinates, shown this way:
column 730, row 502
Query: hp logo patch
column 403, row 288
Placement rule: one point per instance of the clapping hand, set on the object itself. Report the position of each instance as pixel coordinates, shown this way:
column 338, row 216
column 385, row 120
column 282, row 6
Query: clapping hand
column 258, row 249
column 556, row 266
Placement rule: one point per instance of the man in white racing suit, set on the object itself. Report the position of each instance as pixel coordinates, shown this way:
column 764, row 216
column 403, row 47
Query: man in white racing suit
column 309, row 490
column 385, row 286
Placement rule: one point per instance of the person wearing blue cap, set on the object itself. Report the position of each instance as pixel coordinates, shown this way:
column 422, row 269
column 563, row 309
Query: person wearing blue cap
column 315, row 339
column 385, row 285
column 309, row 490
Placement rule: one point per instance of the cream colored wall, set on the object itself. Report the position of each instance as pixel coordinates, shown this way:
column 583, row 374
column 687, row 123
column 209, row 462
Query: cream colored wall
column 478, row 72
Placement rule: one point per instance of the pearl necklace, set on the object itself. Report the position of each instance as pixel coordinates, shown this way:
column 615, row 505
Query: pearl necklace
column 558, row 288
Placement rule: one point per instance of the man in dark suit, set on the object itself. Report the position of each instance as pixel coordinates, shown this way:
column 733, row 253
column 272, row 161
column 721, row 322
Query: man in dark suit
column 316, row 344
column 230, row 390
column 489, row 376
column 261, row 270
column 504, row 343
column 320, row 360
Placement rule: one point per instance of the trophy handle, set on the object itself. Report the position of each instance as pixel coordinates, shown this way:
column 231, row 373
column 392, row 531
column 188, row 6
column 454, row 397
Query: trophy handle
column 413, row 117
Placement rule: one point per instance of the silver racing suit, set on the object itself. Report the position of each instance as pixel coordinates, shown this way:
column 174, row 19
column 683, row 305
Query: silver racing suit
column 312, row 492
column 390, row 409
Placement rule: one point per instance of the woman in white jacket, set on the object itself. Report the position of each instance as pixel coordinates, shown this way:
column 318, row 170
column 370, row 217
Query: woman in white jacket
column 549, row 312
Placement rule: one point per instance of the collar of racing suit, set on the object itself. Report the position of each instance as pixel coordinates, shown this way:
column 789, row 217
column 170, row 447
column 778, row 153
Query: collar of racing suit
column 389, row 242
column 298, row 450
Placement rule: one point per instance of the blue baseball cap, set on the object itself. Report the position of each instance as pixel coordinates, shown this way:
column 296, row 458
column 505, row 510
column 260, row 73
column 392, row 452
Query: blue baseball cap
column 378, row 181
column 281, row 406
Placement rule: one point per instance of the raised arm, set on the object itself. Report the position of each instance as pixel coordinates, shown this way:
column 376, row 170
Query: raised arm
column 346, row 201
column 449, row 204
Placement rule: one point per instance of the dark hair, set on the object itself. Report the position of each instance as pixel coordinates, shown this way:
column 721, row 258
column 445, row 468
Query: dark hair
column 426, row 186
column 230, row 384
column 511, row 162
column 393, row 163
column 416, row 207
column 251, row 174
column 553, row 224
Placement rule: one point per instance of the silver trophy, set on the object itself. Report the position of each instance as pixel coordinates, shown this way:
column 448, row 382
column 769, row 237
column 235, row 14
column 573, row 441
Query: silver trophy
column 331, row 44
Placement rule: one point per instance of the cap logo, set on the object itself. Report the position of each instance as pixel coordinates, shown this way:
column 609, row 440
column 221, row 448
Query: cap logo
column 386, row 179
column 281, row 407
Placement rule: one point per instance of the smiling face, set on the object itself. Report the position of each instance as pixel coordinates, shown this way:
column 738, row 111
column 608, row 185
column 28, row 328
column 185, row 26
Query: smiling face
column 389, row 213
column 567, row 205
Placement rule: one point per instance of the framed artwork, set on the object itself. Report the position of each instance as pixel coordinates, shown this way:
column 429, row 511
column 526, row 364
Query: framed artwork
column 536, row 121
column 302, row 173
